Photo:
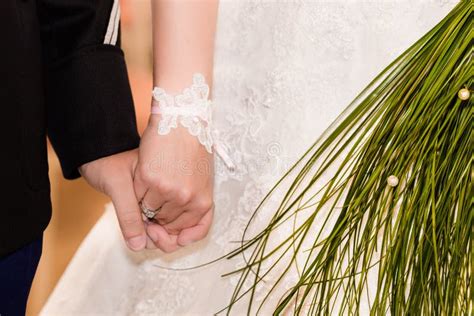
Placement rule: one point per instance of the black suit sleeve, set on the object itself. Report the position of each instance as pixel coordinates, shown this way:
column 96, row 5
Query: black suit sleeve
column 89, row 102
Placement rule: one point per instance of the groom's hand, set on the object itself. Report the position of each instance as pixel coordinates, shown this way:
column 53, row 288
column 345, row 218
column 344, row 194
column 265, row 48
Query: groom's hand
column 113, row 175
column 175, row 173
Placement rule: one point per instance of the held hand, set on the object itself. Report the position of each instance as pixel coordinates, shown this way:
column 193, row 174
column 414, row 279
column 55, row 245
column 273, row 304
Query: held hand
column 174, row 173
column 113, row 175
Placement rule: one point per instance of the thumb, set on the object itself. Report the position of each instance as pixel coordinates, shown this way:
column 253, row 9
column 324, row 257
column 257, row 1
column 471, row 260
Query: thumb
column 128, row 213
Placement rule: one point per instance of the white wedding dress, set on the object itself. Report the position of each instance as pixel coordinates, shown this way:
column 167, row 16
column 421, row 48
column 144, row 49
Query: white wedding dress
column 284, row 70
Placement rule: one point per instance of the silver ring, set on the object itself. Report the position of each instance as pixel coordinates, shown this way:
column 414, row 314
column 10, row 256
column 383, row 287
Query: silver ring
column 149, row 213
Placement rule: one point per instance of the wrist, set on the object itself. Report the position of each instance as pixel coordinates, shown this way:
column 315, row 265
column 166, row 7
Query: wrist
column 190, row 110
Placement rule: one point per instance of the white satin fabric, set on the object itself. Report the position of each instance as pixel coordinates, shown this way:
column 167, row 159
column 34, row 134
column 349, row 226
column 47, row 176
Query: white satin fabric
column 283, row 71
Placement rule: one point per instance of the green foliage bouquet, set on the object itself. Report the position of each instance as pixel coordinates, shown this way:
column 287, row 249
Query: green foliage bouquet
column 400, row 200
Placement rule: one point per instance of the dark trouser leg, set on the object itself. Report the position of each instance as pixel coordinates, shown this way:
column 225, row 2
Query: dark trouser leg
column 16, row 275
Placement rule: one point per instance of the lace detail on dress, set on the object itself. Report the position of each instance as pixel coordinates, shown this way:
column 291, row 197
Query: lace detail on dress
column 192, row 108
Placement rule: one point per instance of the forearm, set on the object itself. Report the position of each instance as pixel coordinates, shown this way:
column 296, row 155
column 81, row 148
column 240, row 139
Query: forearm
column 183, row 37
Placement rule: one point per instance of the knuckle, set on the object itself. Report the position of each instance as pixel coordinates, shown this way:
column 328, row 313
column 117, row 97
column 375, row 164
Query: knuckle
column 184, row 196
column 164, row 187
column 204, row 204
column 148, row 177
column 153, row 180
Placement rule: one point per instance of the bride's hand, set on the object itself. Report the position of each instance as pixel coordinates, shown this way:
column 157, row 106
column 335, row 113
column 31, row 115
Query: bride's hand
column 175, row 173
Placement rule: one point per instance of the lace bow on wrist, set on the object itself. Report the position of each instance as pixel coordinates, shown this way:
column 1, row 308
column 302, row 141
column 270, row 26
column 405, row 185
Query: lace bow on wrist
column 192, row 109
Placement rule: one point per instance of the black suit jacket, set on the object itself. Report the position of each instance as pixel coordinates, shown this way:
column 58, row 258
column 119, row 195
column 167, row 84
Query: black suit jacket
column 62, row 74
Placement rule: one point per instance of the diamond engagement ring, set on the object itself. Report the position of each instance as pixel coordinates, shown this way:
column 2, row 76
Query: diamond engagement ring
column 149, row 213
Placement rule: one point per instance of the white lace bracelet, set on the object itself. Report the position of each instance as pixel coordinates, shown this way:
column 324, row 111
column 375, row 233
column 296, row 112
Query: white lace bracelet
column 192, row 109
